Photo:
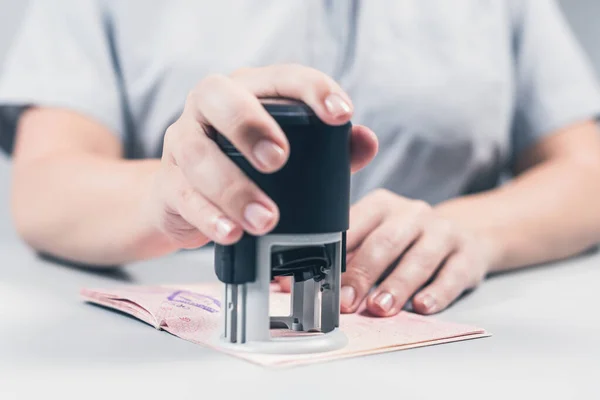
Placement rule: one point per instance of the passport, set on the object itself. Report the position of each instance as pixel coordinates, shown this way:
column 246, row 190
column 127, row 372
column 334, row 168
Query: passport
column 193, row 313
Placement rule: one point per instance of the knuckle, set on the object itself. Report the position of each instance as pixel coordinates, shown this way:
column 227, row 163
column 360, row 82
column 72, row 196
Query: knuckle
column 444, row 227
column 193, row 102
column 426, row 254
column 446, row 291
column 184, row 235
column 476, row 271
column 290, row 67
column 311, row 79
column 424, row 259
column 444, row 233
column 386, row 241
column 176, row 227
column 191, row 97
column 398, row 285
column 377, row 249
column 381, row 192
column 244, row 123
column 460, row 277
column 465, row 241
column 320, row 80
column 194, row 97
column 171, row 134
column 192, row 205
column 185, row 194
column 202, row 210
column 209, row 82
column 382, row 196
column 421, row 208
column 170, row 139
column 444, row 295
column 279, row 70
column 191, row 153
column 193, row 210
column 383, row 246
column 239, row 72
column 285, row 67
column 207, row 85
column 234, row 191
column 360, row 275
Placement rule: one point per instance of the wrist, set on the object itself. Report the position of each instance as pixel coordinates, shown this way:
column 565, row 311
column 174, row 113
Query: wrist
column 148, row 240
column 492, row 247
column 490, row 240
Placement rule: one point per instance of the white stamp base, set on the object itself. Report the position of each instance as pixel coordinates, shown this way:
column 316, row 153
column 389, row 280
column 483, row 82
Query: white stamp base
column 320, row 343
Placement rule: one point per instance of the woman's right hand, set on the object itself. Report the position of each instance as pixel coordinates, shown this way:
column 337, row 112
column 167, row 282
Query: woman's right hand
column 199, row 195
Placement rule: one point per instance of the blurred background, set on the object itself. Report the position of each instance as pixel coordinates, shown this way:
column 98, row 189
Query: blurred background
column 582, row 15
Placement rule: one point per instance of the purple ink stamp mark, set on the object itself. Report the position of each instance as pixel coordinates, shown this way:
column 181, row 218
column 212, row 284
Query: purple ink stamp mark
column 201, row 301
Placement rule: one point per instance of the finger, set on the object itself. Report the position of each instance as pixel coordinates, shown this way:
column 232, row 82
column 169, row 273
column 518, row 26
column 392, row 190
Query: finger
column 182, row 233
column 419, row 263
column 312, row 87
column 364, row 147
column 175, row 227
column 213, row 175
column 238, row 115
column 285, row 283
column 208, row 218
column 365, row 216
column 350, row 256
column 378, row 251
column 196, row 211
column 457, row 275
column 320, row 92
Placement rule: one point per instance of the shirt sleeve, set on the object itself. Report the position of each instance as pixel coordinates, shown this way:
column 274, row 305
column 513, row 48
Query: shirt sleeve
column 555, row 84
column 60, row 57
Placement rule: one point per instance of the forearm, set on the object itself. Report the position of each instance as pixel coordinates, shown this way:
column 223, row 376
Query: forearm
column 85, row 208
column 549, row 212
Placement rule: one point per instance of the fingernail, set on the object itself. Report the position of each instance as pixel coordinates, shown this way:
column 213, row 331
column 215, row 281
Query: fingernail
column 429, row 302
column 336, row 105
column 269, row 154
column 348, row 294
column 258, row 216
column 224, row 227
column 385, row 301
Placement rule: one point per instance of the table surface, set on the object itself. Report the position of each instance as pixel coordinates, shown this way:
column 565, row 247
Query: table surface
column 544, row 321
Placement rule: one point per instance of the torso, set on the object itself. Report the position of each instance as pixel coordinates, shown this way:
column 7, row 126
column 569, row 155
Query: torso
column 433, row 81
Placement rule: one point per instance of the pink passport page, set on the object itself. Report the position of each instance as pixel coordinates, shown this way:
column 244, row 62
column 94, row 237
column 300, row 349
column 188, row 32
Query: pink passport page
column 192, row 312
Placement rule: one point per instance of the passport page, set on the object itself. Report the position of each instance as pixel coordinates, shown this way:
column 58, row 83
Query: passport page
column 192, row 313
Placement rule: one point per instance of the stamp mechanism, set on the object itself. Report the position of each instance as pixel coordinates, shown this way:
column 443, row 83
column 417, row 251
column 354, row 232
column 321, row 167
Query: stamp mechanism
column 308, row 244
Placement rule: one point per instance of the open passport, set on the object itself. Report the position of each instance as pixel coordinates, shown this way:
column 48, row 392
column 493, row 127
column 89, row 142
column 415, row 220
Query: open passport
column 192, row 313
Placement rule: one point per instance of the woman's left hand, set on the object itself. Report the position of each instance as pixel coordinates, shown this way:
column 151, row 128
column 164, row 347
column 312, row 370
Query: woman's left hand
column 415, row 252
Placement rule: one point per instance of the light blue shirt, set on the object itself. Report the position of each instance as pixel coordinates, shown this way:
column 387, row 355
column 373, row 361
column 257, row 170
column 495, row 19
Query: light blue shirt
column 454, row 90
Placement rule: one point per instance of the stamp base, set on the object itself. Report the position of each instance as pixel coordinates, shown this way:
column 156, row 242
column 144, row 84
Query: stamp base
column 321, row 343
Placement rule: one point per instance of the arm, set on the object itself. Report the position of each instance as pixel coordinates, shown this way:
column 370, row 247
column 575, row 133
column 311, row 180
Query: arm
column 72, row 194
column 431, row 255
column 74, row 197
column 549, row 211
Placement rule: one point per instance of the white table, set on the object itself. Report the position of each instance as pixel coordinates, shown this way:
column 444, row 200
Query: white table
column 545, row 344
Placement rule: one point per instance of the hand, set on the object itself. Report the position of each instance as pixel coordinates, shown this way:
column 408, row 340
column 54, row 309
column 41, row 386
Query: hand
column 198, row 194
column 414, row 250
